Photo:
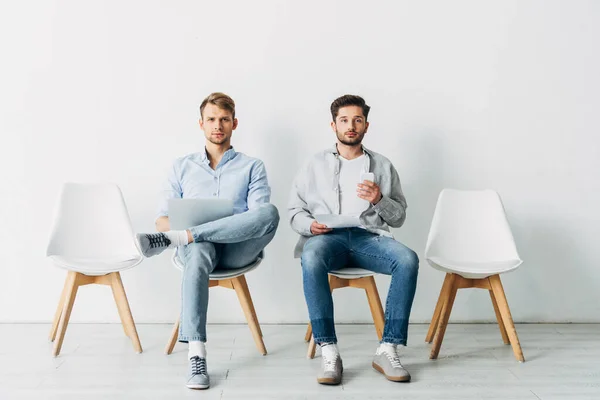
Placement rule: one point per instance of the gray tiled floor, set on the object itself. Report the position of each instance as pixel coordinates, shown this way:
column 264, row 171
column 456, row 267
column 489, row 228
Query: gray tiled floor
column 98, row 362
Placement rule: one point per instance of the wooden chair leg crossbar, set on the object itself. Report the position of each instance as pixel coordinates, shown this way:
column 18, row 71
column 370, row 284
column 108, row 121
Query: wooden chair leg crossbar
column 443, row 308
column 67, row 299
column 368, row 284
column 240, row 286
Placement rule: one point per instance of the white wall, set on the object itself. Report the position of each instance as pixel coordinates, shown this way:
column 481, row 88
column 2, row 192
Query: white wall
column 464, row 94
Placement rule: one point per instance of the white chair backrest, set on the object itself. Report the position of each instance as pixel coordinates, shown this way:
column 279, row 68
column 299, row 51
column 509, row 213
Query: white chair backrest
column 470, row 226
column 92, row 222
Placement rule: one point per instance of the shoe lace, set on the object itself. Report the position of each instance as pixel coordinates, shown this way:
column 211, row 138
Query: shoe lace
column 329, row 362
column 158, row 240
column 393, row 357
column 198, row 365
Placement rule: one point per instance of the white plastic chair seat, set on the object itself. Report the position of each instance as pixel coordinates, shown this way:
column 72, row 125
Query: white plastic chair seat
column 220, row 273
column 92, row 232
column 473, row 270
column 470, row 235
column 352, row 273
column 94, row 267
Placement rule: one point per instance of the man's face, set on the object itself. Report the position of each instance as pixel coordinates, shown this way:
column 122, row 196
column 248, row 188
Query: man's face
column 217, row 124
column 350, row 125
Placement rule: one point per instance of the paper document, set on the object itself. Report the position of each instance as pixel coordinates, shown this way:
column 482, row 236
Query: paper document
column 337, row 221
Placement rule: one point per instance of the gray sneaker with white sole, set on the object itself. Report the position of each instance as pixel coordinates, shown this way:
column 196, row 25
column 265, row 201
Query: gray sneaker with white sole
column 152, row 244
column 331, row 370
column 198, row 374
column 388, row 363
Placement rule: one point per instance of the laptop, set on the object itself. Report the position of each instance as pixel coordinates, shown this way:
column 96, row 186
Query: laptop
column 185, row 213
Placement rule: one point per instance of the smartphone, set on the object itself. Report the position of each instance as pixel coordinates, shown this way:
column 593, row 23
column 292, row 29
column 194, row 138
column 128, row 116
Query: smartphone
column 367, row 176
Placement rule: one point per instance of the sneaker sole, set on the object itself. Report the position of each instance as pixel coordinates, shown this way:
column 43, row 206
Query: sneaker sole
column 198, row 387
column 391, row 378
column 329, row 381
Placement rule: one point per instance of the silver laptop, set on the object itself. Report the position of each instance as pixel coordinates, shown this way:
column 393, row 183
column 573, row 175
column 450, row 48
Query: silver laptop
column 185, row 213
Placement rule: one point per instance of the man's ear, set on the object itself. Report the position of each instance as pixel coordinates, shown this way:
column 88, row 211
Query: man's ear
column 201, row 123
column 333, row 126
column 366, row 127
column 235, row 123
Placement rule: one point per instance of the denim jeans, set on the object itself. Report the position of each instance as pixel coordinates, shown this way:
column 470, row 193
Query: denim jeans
column 356, row 247
column 231, row 242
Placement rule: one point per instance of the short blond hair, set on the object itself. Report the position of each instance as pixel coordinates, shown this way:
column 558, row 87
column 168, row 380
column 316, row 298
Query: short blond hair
column 220, row 100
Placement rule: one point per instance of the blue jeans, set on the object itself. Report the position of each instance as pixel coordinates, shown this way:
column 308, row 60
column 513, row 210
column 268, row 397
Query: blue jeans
column 356, row 247
column 231, row 242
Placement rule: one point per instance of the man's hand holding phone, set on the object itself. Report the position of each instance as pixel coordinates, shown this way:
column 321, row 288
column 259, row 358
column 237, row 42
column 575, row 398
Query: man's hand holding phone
column 368, row 189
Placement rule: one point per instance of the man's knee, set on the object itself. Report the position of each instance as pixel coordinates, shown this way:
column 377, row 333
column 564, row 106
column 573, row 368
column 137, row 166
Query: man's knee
column 270, row 213
column 408, row 260
column 314, row 257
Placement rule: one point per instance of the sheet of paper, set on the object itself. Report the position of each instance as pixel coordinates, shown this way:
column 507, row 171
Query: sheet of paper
column 337, row 221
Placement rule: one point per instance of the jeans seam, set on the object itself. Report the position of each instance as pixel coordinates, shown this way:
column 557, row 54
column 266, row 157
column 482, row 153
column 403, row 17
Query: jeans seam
column 325, row 339
column 388, row 339
column 192, row 338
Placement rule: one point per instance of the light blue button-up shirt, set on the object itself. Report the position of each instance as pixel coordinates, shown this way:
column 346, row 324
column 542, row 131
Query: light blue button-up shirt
column 238, row 177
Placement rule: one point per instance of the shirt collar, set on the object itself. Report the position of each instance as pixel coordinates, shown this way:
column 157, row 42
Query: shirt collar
column 228, row 155
column 334, row 150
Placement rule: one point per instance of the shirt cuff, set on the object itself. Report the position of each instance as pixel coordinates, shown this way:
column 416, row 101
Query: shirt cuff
column 383, row 206
column 303, row 224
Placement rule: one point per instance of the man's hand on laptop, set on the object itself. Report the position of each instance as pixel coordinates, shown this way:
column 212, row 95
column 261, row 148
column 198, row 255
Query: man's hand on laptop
column 319, row 229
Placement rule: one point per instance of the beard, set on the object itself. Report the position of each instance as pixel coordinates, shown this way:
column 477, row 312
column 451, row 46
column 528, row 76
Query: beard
column 216, row 140
column 356, row 141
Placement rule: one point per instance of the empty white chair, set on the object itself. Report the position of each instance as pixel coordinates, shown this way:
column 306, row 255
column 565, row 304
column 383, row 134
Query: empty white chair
column 356, row 278
column 230, row 278
column 93, row 240
column 471, row 241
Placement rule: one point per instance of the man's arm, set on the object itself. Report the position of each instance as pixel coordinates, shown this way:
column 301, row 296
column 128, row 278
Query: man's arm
column 392, row 208
column 301, row 220
column 171, row 190
column 259, row 191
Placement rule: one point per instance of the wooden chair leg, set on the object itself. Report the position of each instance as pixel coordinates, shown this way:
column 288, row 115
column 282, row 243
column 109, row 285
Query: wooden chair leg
column 124, row 310
column 312, row 348
column 71, row 286
column 59, row 309
column 121, row 310
column 308, row 334
column 498, row 290
column 375, row 305
column 438, row 310
column 450, row 295
column 173, row 339
column 243, row 293
column 252, row 309
column 499, row 319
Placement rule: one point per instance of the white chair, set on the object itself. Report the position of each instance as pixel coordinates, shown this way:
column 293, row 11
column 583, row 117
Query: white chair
column 356, row 278
column 471, row 241
column 231, row 279
column 92, row 238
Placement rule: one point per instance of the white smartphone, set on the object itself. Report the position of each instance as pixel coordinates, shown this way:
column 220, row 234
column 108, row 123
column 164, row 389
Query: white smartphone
column 367, row 176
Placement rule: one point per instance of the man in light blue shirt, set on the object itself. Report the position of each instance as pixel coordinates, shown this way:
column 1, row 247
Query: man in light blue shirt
column 232, row 242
